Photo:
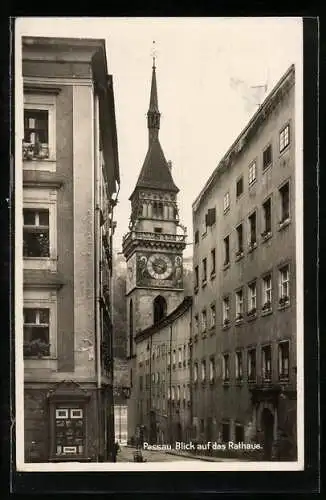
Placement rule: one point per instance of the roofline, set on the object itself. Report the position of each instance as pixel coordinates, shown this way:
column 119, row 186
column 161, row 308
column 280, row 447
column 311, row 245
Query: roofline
column 148, row 332
column 60, row 42
column 251, row 123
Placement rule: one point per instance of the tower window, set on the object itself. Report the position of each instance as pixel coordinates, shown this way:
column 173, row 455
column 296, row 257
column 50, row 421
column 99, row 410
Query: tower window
column 158, row 209
column 159, row 308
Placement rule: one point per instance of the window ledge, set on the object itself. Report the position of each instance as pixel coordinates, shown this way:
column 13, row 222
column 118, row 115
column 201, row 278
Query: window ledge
column 266, row 236
column 213, row 275
column 226, row 383
column 283, row 224
column 238, row 321
column 284, row 306
column 238, row 256
column 252, row 183
column 226, row 266
column 204, row 234
column 252, row 247
column 251, row 317
column 204, row 283
column 196, row 290
column 227, row 325
column 266, row 312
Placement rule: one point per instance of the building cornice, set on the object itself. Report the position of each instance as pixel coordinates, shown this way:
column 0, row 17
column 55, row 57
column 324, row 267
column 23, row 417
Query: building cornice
column 243, row 140
column 179, row 311
column 46, row 84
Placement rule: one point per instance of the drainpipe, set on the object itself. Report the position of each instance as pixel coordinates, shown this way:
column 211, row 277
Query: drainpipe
column 97, row 264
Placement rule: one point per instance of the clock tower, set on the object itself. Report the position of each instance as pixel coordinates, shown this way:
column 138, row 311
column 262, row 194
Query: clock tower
column 155, row 242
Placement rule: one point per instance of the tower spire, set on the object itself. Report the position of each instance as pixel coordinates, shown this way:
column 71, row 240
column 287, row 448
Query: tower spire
column 153, row 115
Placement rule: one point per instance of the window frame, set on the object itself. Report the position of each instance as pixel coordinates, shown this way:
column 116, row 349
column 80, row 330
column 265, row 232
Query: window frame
column 239, row 251
column 286, row 146
column 226, row 310
column 252, row 179
column 281, row 375
column 265, row 300
column 241, row 181
column 239, row 312
column 263, row 361
column 226, row 367
column 282, row 220
column 226, row 202
column 250, row 350
column 43, row 199
column 251, row 296
column 39, row 299
column 238, row 365
column 226, row 253
column 268, row 165
column 252, row 243
column 284, row 300
column 212, row 315
column 43, row 102
column 267, row 233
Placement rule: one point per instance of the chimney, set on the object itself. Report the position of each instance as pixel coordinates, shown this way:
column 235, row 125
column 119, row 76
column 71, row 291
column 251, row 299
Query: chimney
column 170, row 164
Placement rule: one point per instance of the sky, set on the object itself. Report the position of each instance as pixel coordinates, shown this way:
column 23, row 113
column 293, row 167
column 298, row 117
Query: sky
column 206, row 68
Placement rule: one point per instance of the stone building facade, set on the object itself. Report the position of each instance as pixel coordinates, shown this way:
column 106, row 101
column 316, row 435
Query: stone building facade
column 152, row 248
column 244, row 308
column 70, row 180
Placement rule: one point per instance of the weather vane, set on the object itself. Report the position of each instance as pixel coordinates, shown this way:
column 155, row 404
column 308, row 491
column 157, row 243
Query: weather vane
column 153, row 53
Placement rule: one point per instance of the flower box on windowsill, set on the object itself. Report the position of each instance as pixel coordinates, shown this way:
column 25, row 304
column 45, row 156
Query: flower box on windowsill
column 238, row 255
column 252, row 380
column 36, row 349
column 239, row 318
column 252, row 313
column 284, row 223
column 266, row 235
column 284, row 302
column 226, row 323
column 36, row 151
column 252, row 246
column 267, row 378
column 284, row 378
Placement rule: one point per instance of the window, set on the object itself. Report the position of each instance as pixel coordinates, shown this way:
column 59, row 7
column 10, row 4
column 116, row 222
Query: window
column 252, row 298
column 196, row 277
column 213, row 315
column 283, row 360
column 204, row 320
column 226, row 367
column 267, row 157
column 195, row 372
column 140, row 382
column 239, row 230
column 158, row 209
column 226, row 202
column 210, row 217
column 180, row 357
column 172, row 393
column 174, row 355
column 69, row 431
column 213, row 262
column 178, row 392
column 238, row 365
column 157, row 229
column 284, row 285
column 252, row 229
column 239, row 187
column 267, row 292
column 159, row 308
column 225, row 432
column 36, row 134
column 39, row 142
column 284, row 138
column 251, row 365
column 169, row 393
column 204, row 270
column 285, row 202
column 267, row 217
column 36, row 240
column 211, row 370
column 239, row 433
column 267, row 362
column 252, row 173
column 197, row 237
column 196, row 324
column 226, row 311
column 203, row 371
column 226, row 250
column 36, row 332
column 239, row 304
column 188, row 392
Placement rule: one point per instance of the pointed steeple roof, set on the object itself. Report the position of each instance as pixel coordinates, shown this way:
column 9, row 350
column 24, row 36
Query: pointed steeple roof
column 155, row 173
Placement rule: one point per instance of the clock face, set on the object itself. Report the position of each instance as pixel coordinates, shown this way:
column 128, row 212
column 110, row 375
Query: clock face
column 159, row 266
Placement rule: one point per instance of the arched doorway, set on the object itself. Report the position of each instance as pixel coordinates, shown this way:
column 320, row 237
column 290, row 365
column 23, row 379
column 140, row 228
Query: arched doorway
column 159, row 308
column 267, row 425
